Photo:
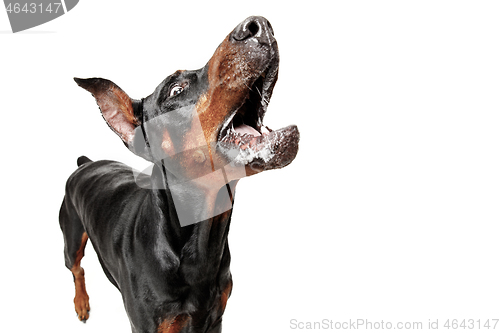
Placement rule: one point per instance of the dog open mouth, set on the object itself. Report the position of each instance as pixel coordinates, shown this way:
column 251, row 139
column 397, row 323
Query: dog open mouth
column 244, row 134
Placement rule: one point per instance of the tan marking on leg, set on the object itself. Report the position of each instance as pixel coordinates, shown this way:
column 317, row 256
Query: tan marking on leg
column 81, row 300
column 225, row 295
column 173, row 325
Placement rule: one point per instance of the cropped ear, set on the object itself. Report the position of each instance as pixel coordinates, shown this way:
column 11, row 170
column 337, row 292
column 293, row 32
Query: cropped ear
column 120, row 111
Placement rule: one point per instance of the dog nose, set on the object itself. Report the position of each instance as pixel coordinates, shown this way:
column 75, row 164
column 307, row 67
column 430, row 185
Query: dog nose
column 254, row 27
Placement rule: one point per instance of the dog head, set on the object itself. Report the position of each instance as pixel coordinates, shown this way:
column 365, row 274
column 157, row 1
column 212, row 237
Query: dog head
column 197, row 122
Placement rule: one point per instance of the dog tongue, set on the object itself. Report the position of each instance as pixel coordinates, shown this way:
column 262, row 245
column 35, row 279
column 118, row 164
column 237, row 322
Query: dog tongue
column 245, row 129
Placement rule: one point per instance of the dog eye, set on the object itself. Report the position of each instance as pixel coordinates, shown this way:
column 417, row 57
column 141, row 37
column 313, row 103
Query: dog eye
column 176, row 90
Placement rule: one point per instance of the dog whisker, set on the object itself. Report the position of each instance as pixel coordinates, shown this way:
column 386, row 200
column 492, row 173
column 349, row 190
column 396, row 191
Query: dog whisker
column 263, row 98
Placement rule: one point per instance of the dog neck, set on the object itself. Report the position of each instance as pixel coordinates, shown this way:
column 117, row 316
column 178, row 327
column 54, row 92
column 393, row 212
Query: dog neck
column 201, row 247
column 194, row 201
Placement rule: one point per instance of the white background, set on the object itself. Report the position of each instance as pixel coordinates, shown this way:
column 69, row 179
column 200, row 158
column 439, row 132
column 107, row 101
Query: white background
column 389, row 212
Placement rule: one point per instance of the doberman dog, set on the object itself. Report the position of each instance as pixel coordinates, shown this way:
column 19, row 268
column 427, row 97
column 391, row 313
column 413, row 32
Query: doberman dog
column 162, row 238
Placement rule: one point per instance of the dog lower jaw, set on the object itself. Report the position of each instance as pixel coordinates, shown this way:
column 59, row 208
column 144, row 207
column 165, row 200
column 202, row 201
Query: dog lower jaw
column 269, row 150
